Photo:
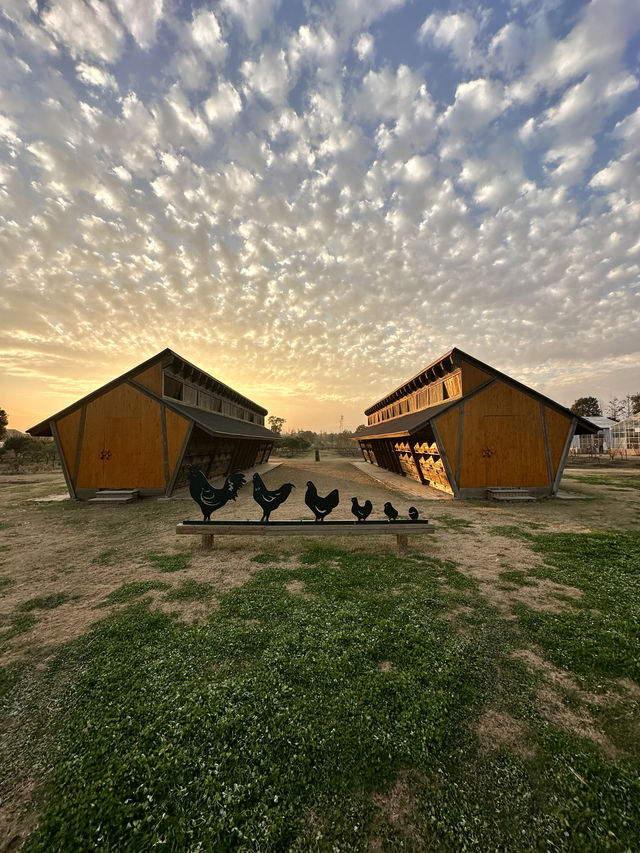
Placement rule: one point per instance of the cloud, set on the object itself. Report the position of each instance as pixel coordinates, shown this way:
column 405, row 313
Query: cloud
column 141, row 19
column 93, row 76
column 309, row 199
column 207, row 35
column 269, row 76
column 456, row 32
column 223, row 107
column 86, row 29
column 254, row 15
column 476, row 103
column 365, row 46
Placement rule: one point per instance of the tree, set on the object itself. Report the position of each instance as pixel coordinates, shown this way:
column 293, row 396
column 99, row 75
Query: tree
column 635, row 404
column 615, row 409
column 360, row 429
column 276, row 424
column 4, row 420
column 587, row 407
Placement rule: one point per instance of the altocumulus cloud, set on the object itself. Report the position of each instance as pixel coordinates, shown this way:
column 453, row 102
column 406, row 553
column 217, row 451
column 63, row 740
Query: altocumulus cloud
column 312, row 201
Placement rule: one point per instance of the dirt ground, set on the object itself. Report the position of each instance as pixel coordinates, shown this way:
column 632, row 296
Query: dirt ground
column 51, row 545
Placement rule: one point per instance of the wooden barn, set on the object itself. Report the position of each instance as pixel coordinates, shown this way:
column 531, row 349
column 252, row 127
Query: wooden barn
column 142, row 430
column 465, row 428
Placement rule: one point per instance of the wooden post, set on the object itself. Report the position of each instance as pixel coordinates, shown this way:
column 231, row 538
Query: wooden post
column 207, row 541
column 403, row 541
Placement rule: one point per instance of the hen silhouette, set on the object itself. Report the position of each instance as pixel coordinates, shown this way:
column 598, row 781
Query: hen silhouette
column 320, row 507
column 361, row 512
column 208, row 498
column 269, row 500
column 390, row 511
column 413, row 513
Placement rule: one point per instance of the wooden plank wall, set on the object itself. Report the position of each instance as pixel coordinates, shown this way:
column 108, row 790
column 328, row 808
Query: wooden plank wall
column 177, row 428
column 126, row 423
column 557, row 429
column 472, row 377
column 151, row 378
column 503, row 440
column 447, row 425
column 68, row 428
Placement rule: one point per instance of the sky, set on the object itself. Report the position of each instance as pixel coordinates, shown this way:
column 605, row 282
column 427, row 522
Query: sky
column 314, row 200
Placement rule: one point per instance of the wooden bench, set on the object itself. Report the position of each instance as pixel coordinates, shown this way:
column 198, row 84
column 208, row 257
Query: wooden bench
column 209, row 529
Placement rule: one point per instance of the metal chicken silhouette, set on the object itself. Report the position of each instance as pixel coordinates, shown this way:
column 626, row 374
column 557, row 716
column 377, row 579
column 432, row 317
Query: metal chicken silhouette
column 208, row 498
column 269, row 500
column 320, row 507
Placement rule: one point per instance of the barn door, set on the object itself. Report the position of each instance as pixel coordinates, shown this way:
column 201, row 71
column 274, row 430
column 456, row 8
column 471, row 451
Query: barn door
column 117, row 464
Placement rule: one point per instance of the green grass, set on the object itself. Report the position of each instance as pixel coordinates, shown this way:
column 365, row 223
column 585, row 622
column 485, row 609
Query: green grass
column 47, row 602
column 107, row 557
column 286, row 720
column 191, row 590
column 5, row 583
column 129, row 591
column 170, row 562
column 602, row 480
column 460, row 525
column 517, row 578
column 266, row 557
column 601, row 636
column 19, row 624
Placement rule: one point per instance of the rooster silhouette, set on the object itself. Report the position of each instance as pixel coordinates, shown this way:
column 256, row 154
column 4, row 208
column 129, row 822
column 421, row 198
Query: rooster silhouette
column 208, row 498
column 269, row 500
column 320, row 507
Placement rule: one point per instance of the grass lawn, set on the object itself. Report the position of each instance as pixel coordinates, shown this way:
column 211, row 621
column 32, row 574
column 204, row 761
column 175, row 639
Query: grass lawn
column 338, row 699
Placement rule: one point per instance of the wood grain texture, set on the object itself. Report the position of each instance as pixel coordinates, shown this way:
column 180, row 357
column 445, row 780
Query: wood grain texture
column 125, row 424
column 68, row 429
column 502, row 442
column 177, row 428
column 557, row 430
column 151, row 378
column 472, row 377
column 447, row 425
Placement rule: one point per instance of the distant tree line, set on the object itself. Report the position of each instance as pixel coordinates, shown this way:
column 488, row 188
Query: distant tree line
column 301, row 441
column 616, row 409
column 19, row 450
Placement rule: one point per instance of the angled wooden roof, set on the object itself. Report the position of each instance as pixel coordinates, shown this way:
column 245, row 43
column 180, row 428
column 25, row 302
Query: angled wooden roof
column 218, row 424
column 413, row 422
column 168, row 358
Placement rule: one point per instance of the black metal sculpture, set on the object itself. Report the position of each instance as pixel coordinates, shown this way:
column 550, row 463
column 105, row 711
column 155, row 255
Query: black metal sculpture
column 390, row 511
column 361, row 512
column 320, row 507
column 269, row 500
column 413, row 513
column 208, row 498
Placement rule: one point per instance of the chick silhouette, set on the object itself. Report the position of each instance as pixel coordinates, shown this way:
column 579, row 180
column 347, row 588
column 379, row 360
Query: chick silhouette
column 413, row 513
column 361, row 512
column 390, row 511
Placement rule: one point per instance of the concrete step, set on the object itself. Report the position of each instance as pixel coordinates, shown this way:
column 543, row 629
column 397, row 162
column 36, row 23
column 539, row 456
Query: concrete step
column 115, row 496
column 510, row 495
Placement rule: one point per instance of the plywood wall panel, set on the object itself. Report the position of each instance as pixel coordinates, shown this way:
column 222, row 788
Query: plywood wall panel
column 447, row 425
column 125, row 424
column 151, row 378
column 557, row 429
column 503, row 440
column 472, row 377
column 177, row 428
column 68, row 428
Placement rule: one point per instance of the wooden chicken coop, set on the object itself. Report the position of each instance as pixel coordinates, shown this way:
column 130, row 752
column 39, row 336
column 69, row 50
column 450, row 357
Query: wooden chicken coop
column 142, row 430
column 464, row 428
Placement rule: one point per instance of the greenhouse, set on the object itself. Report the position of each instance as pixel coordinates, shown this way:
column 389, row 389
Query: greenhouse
column 626, row 434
